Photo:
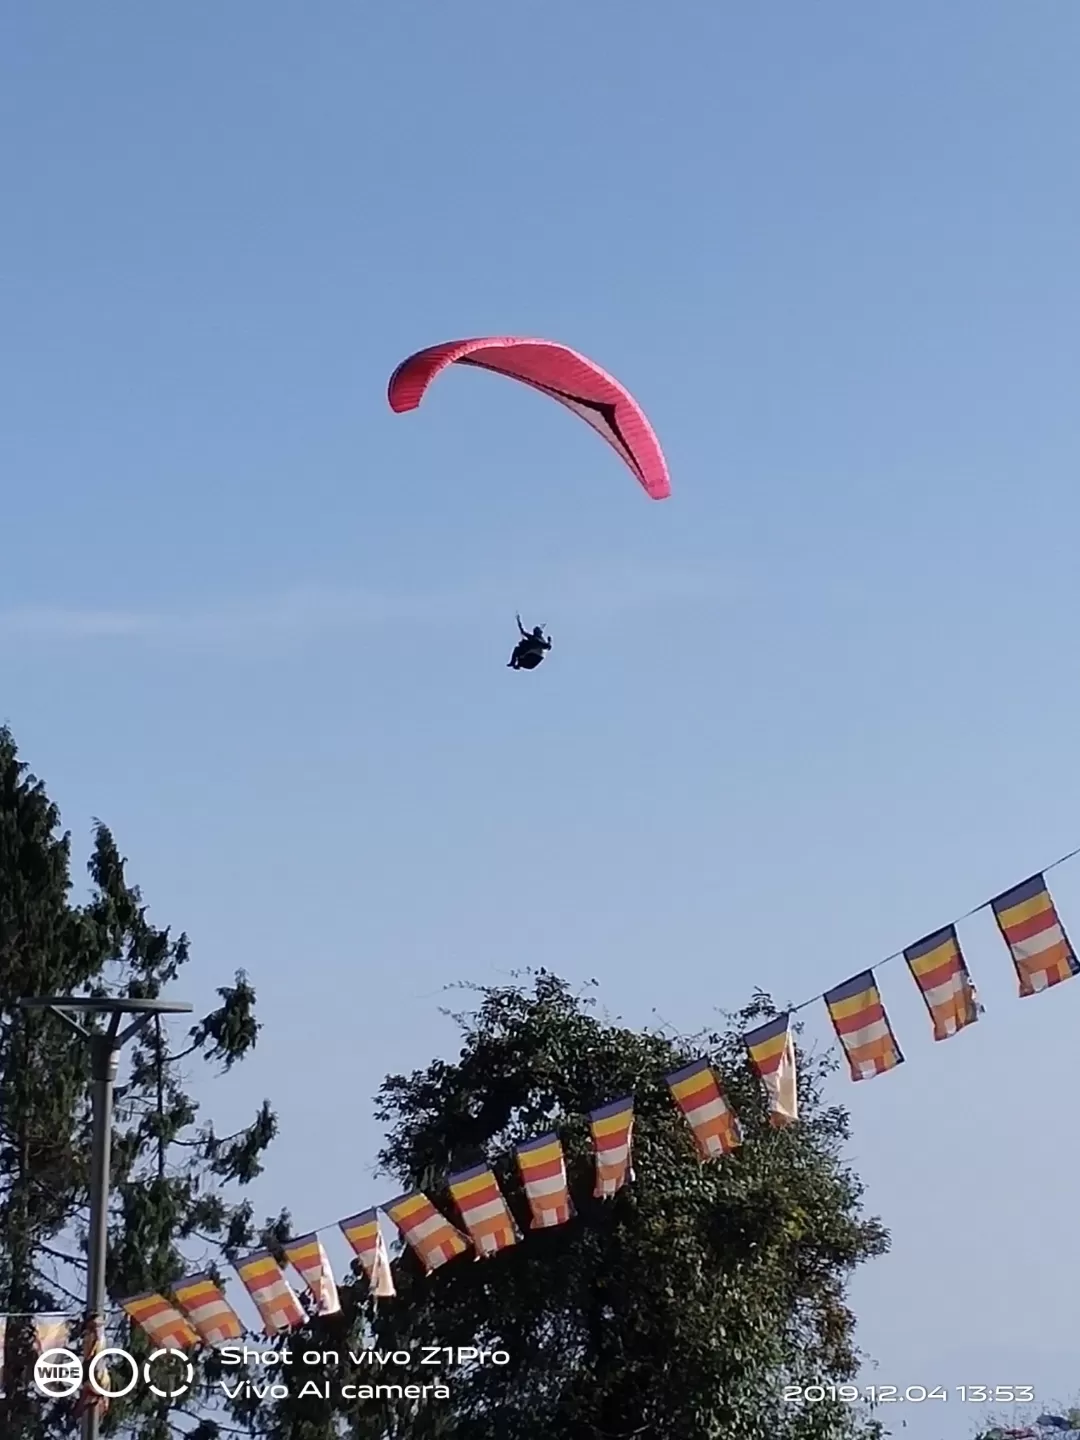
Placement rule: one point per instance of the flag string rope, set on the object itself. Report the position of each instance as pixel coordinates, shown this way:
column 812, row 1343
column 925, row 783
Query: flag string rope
column 899, row 954
column 116, row 1311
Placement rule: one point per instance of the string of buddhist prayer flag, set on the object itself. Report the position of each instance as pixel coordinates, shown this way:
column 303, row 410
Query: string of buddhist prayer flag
column 430, row 1235
column 862, row 1026
column 772, row 1050
column 1042, row 956
column 204, row 1304
column 483, row 1210
column 308, row 1258
column 611, row 1128
column 939, row 970
column 542, row 1167
column 274, row 1298
column 1037, row 941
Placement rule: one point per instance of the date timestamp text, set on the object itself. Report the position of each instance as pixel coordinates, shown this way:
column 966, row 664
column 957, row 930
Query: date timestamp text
column 913, row 1394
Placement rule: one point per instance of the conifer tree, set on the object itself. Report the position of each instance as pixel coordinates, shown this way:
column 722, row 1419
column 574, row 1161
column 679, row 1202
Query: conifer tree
column 172, row 1175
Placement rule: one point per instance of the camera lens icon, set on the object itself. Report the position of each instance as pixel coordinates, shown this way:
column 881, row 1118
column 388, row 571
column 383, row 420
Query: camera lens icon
column 58, row 1373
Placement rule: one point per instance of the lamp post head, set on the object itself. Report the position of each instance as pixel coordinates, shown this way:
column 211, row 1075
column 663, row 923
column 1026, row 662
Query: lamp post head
column 105, row 1005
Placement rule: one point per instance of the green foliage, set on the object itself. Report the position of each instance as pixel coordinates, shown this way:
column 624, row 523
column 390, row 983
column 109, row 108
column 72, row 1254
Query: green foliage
column 168, row 1169
column 678, row 1310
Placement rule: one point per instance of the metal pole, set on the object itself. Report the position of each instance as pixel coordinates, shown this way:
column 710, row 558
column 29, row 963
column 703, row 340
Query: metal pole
column 105, row 1050
column 103, row 1059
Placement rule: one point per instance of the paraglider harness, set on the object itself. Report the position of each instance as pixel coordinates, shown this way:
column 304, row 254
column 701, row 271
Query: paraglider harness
column 530, row 649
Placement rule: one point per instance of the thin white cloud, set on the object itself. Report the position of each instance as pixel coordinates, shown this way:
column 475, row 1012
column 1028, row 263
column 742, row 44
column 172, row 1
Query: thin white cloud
column 305, row 614
column 56, row 623
column 293, row 615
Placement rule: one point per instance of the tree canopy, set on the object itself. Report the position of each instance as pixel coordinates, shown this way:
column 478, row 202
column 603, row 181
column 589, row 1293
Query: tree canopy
column 678, row 1310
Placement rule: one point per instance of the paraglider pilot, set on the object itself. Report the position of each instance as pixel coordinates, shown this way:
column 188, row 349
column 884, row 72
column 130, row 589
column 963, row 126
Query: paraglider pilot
column 530, row 649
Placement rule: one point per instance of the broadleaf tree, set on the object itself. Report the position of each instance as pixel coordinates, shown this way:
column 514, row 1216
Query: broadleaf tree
column 679, row 1310
column 174, row 1199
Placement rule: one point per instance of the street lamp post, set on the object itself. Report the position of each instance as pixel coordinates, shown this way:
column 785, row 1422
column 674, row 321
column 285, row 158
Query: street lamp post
column 105, row 1047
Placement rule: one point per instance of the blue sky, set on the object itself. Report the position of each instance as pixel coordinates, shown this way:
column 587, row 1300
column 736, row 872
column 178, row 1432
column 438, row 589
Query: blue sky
column 820, row 702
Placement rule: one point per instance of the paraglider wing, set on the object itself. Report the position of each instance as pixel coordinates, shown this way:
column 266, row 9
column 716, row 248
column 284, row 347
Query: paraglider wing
column 559, row 372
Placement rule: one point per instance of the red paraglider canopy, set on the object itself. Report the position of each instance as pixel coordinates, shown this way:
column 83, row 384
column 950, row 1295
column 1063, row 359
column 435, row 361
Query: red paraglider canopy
column 558, row 371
